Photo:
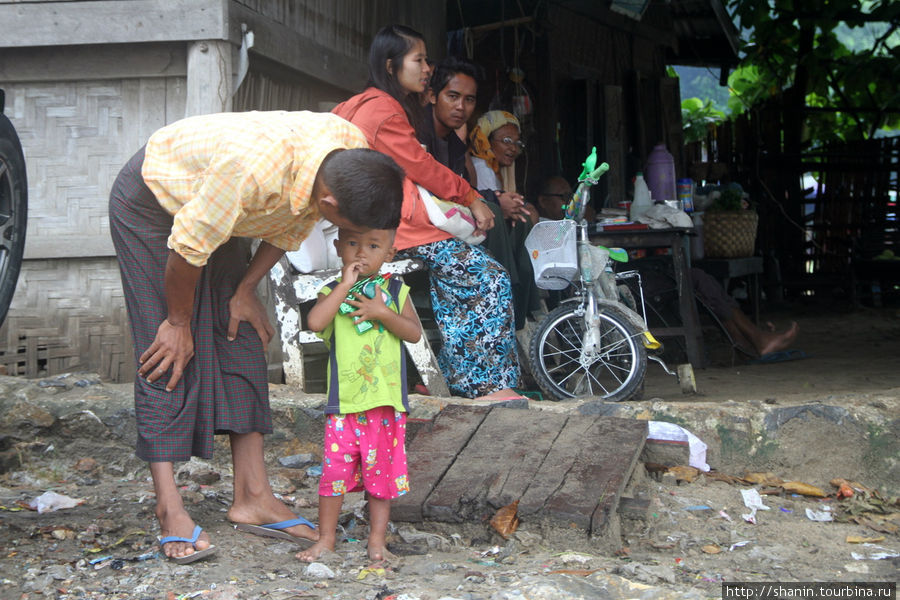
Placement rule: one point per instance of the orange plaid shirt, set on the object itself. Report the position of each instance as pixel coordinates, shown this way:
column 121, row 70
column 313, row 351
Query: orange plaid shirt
column 242, row 175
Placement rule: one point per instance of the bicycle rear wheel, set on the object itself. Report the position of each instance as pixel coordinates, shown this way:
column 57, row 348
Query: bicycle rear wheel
column 562, row 369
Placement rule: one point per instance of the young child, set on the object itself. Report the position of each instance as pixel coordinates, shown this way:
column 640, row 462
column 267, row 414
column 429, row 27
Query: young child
column 363, row 319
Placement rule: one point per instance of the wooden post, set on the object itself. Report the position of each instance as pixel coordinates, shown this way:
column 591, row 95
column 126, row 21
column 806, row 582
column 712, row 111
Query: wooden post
column 209, row 77
column 614, row 113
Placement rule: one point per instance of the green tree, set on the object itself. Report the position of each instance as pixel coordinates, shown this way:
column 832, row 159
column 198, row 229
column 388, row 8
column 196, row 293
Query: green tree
column 835, row 61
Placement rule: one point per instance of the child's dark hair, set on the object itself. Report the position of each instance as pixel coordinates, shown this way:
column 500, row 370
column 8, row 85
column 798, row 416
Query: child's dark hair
column 368, row 186
column 392, row 42
column 450, row 66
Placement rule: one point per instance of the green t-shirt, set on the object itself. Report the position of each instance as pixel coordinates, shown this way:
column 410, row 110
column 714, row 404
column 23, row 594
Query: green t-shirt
column 368, row 369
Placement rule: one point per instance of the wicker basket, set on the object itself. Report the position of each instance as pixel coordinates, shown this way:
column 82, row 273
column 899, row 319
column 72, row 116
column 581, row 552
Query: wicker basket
column 729, row 234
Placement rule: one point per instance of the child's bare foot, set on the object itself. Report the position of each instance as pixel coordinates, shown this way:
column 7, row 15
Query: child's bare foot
column 380, row 554
column 315, row 551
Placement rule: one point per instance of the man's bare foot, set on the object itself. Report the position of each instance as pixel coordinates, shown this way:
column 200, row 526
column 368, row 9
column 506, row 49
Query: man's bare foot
column 504, row 394
column 773, row 342
column 313, row 553
column 380, row 554
column 180, row 524
column 272, row 510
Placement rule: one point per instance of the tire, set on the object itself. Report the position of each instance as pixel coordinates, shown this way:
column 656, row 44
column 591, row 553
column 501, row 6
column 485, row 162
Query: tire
column 614, row 375
column 13, row 212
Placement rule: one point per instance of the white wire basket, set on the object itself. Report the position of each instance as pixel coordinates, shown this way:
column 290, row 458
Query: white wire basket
column 553, row 252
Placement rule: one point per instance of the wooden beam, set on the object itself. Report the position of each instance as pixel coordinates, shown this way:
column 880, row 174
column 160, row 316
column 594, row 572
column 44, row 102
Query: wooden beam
column 285, row 46
column 68, row 246
column 112, row 21
column 500, row 24
column 209, row 79
column 728, row 29
column 100, row 61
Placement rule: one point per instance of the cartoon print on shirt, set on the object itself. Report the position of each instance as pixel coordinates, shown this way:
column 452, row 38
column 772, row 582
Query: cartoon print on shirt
column 367, row 369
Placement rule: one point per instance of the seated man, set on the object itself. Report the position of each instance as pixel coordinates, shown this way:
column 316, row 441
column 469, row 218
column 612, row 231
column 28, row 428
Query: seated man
column 451, row 100
column 555, row 193
column 746, row 335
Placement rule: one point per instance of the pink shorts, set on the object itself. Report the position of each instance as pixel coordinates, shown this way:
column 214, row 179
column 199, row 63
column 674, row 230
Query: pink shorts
column 365, row 450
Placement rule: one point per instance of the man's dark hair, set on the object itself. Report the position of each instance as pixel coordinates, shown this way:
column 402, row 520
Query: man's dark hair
column 367, row 185
column 450, row 66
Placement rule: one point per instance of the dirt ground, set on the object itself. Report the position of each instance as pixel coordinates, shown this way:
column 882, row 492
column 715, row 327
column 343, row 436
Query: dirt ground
column 73, row 435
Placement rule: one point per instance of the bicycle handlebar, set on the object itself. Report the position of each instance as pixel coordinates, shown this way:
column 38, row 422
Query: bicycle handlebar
column 598, row 172
column 589, row 176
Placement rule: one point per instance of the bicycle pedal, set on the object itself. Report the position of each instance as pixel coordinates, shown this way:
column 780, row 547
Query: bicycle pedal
column 650, row 342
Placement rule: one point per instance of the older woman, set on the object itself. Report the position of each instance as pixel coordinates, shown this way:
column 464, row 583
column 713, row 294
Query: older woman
column 495, row 143
column 494, row 146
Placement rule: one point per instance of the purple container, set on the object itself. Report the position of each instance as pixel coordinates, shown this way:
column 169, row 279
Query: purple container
column 661, row 174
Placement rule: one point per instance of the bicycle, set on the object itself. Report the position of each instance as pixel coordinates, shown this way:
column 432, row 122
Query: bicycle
column 595, row 343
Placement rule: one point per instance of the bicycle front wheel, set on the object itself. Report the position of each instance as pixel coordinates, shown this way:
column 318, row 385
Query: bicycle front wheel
column 612, row 369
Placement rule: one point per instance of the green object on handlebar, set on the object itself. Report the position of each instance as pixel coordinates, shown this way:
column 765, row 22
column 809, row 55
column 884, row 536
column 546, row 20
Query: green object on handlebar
column 589, row 175
column 588, row 164
column 618, row 254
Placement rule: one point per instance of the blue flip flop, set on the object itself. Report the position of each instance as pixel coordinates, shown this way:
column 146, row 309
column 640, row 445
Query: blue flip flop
column 275, row 530
column 780, row 356
column 197, row 555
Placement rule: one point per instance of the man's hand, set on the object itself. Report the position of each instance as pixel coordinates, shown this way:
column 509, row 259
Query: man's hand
column 173, row 347
column 513, row 206
column 245, row 306
column 484, row 218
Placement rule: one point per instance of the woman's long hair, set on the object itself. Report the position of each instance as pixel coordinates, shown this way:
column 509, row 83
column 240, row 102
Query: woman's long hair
column 392, row 42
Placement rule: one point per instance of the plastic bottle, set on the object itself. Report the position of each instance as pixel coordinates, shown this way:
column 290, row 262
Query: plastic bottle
column 661, row 174
column 642, row 198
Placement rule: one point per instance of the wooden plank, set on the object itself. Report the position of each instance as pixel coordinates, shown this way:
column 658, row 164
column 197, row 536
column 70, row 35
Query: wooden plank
column 176, row 98
column 513, row 444
column 497, row 466
column 614, row 127
column 100, row 61
column 285, row 46
column 634, row 508
column 115, row 22
column 432, row 452
column 625, row 440
column 556, row 464
column 601, row 463
column 525, row 441
column 209, row 78
column 670, row 105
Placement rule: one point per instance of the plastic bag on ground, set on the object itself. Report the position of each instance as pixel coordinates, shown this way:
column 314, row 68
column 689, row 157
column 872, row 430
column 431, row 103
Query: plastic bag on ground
column 51, row 501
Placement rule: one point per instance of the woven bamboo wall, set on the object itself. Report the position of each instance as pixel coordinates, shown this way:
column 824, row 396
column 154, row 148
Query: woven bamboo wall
column 68, row 312
column 81, row 110
column 68, row 315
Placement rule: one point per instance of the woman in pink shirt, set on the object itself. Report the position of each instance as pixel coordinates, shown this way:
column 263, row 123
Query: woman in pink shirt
column 470, row 291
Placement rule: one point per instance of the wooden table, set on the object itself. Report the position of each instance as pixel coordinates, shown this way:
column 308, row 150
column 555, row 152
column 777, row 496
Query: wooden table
column 725, row 269
column 675, row 239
